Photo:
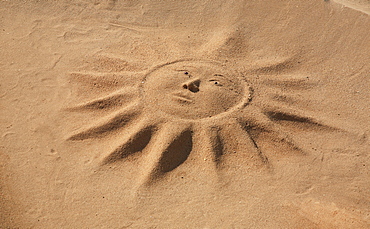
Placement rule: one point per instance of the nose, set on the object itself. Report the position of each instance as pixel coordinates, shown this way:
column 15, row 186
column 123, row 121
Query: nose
column 192, row 85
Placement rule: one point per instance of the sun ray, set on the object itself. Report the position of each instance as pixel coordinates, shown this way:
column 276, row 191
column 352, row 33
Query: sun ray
column 110, row 123
column 253, row 115
column 100, row 80
column 169, row 148
column 134, row 141
column 208, row 145
column 116, row 99
column 289, row 63
column 292, row 83
column 286, row 98
column 274, row 140
column 263, row 132
column 241, row 144
column 217, row 146
column 299, row 118
column 105, row 62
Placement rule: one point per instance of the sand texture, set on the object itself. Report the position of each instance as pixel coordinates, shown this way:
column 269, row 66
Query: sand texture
column 185, row 114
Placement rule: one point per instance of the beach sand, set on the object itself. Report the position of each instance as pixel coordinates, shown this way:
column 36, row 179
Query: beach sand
column 185, row 114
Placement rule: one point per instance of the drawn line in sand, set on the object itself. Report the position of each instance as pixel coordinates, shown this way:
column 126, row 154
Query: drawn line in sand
column 190, row 107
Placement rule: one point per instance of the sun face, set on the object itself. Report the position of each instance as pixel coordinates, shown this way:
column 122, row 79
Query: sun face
column 189, row 107
column 194, row 90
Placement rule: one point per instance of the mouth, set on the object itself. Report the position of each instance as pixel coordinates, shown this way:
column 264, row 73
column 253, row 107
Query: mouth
column 182, row 97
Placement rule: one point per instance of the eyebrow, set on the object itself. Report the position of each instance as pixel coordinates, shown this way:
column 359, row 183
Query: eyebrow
column 188, row 67
column 221, row 76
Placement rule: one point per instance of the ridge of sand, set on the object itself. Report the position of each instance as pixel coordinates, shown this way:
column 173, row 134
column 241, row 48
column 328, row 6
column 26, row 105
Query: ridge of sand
column 360, row 5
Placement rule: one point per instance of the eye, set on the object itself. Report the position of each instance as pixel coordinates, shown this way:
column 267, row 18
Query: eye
column 183, row 71
column 187, row 74
column 215, row 82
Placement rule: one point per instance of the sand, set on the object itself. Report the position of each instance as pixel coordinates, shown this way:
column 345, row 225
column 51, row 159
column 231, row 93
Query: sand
column 185, row 114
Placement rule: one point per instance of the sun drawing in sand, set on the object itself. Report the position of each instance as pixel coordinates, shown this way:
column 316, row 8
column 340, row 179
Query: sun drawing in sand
column 186, row 107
